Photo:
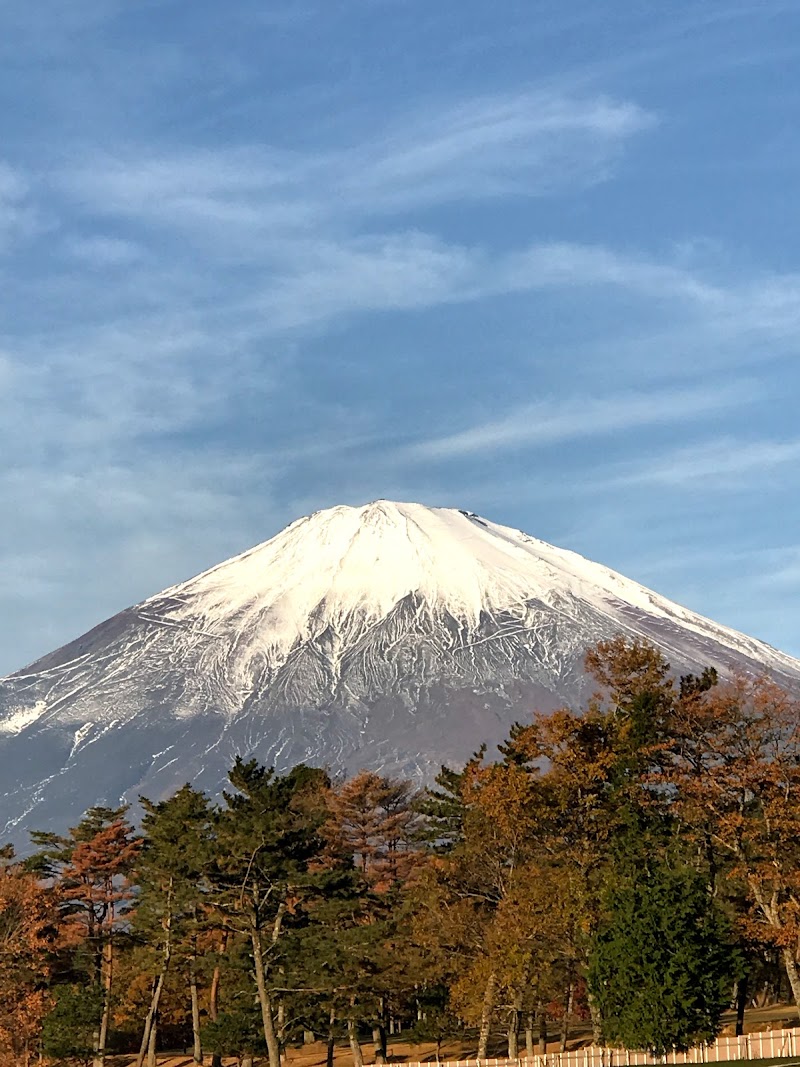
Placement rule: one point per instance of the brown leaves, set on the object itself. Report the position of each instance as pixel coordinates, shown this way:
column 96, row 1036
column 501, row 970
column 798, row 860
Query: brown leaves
column 734, row 775
column 28, row 919
column 627, row 668
column 373, row 817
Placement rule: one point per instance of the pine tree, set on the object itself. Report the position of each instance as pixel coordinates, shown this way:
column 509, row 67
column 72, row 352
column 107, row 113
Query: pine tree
column 172, row 883
column 661, row 966
column 68, row 1030
column 269, row 850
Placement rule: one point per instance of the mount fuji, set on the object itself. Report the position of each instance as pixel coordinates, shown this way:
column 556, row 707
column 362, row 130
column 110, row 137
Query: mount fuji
column 391, row 636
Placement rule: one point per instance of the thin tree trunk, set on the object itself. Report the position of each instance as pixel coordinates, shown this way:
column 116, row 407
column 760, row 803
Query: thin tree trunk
column 270, row 1034
column 213, row 1000
column 151, row 1043
column 597, row 1019
column 150, row 1021
column 213, row 995
column 197, row 1047
column 106, row 967
column 352, row 1033
column 792, row 974
column 516, row 1017
column 486, row 1015
column 329, row 1052
column 515, row 1021
column 741, row 1004
column 529, row 1036
column 379, row 1041
column 541, row 1019
column 566, row 1017
column 152, row 1014
column 513, row 1036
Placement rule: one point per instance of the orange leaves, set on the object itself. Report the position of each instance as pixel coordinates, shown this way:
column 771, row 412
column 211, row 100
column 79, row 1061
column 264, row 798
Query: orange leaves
column 28, row 919
column 502, row 796
column 373, row 819
column 734, row 781
column 627, row 668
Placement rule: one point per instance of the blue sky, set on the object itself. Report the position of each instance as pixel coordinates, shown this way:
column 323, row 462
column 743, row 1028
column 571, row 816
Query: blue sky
column 533, row 258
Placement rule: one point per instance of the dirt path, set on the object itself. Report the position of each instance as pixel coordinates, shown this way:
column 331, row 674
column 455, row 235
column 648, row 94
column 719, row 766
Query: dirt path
column 775, row 1017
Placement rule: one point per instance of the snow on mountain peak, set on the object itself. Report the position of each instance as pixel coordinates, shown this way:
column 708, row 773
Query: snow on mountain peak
column 366, row 559
column 326, row 568
column 392, row 636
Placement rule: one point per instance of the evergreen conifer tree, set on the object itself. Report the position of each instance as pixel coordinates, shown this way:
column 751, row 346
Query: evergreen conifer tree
column 661, row 966
column 171, row 878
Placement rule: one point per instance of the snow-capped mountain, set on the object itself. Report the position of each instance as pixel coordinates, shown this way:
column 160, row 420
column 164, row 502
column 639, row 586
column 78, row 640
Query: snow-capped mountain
column 391, row 636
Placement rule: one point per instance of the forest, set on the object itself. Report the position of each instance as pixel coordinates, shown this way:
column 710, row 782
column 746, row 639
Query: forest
column 632, row 866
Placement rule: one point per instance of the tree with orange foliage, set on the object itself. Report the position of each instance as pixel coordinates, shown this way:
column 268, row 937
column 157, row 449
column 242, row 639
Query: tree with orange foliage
column 734, row 769
column 483, row 916
column 374, row 820
column 91, row 870
column 374, row 826
column 28, row 920
column 592, row 768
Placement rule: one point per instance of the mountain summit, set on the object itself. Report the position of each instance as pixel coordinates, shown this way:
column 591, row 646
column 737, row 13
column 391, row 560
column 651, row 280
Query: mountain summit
column 391, row 636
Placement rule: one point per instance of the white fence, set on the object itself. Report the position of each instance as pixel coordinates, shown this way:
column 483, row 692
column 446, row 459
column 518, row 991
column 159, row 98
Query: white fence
column 767, row 1044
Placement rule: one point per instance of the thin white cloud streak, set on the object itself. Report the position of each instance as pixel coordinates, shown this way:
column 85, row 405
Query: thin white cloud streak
column 297, row 225
column 528, row 144
column 721, row 464
column 554, row 421
column 524, row 144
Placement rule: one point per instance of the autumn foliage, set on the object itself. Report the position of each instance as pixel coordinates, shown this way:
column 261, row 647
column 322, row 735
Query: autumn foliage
column 516, row 897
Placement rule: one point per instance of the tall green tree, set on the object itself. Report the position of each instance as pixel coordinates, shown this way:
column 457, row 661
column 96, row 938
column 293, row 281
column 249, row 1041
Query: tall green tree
column 269, row 851
column 662, row 965
column 172, row 898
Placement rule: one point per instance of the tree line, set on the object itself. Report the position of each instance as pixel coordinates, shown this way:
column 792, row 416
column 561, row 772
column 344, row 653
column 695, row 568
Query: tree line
column 635, row 864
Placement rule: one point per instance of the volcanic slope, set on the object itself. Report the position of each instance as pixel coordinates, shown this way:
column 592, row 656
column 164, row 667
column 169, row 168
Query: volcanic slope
column 391, row 636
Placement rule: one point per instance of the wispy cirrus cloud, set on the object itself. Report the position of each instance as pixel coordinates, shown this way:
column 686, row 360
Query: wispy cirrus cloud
column 554, row 420
column 278, row 273
column 525, row 144
column 725, row 463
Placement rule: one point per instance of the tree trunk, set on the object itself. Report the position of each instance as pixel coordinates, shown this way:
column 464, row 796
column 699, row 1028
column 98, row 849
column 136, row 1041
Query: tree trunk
column 514, row 1023
column 213, row 1002
column 329, row 1052
column 247, row 1060
column 566, row 1017
column 197, row 1048
column 107, row 967
column 152, row 1014
column 513, row 1036
column 270, row 1035
column 541, row 1020
column 151, row 1043
column 741, row 1004
column 150, row 1021
column 792, row 973
column 486, row 1016
column 352, row 1033
column 379, row 1041
column 597, row 1019
column 529, row 1036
